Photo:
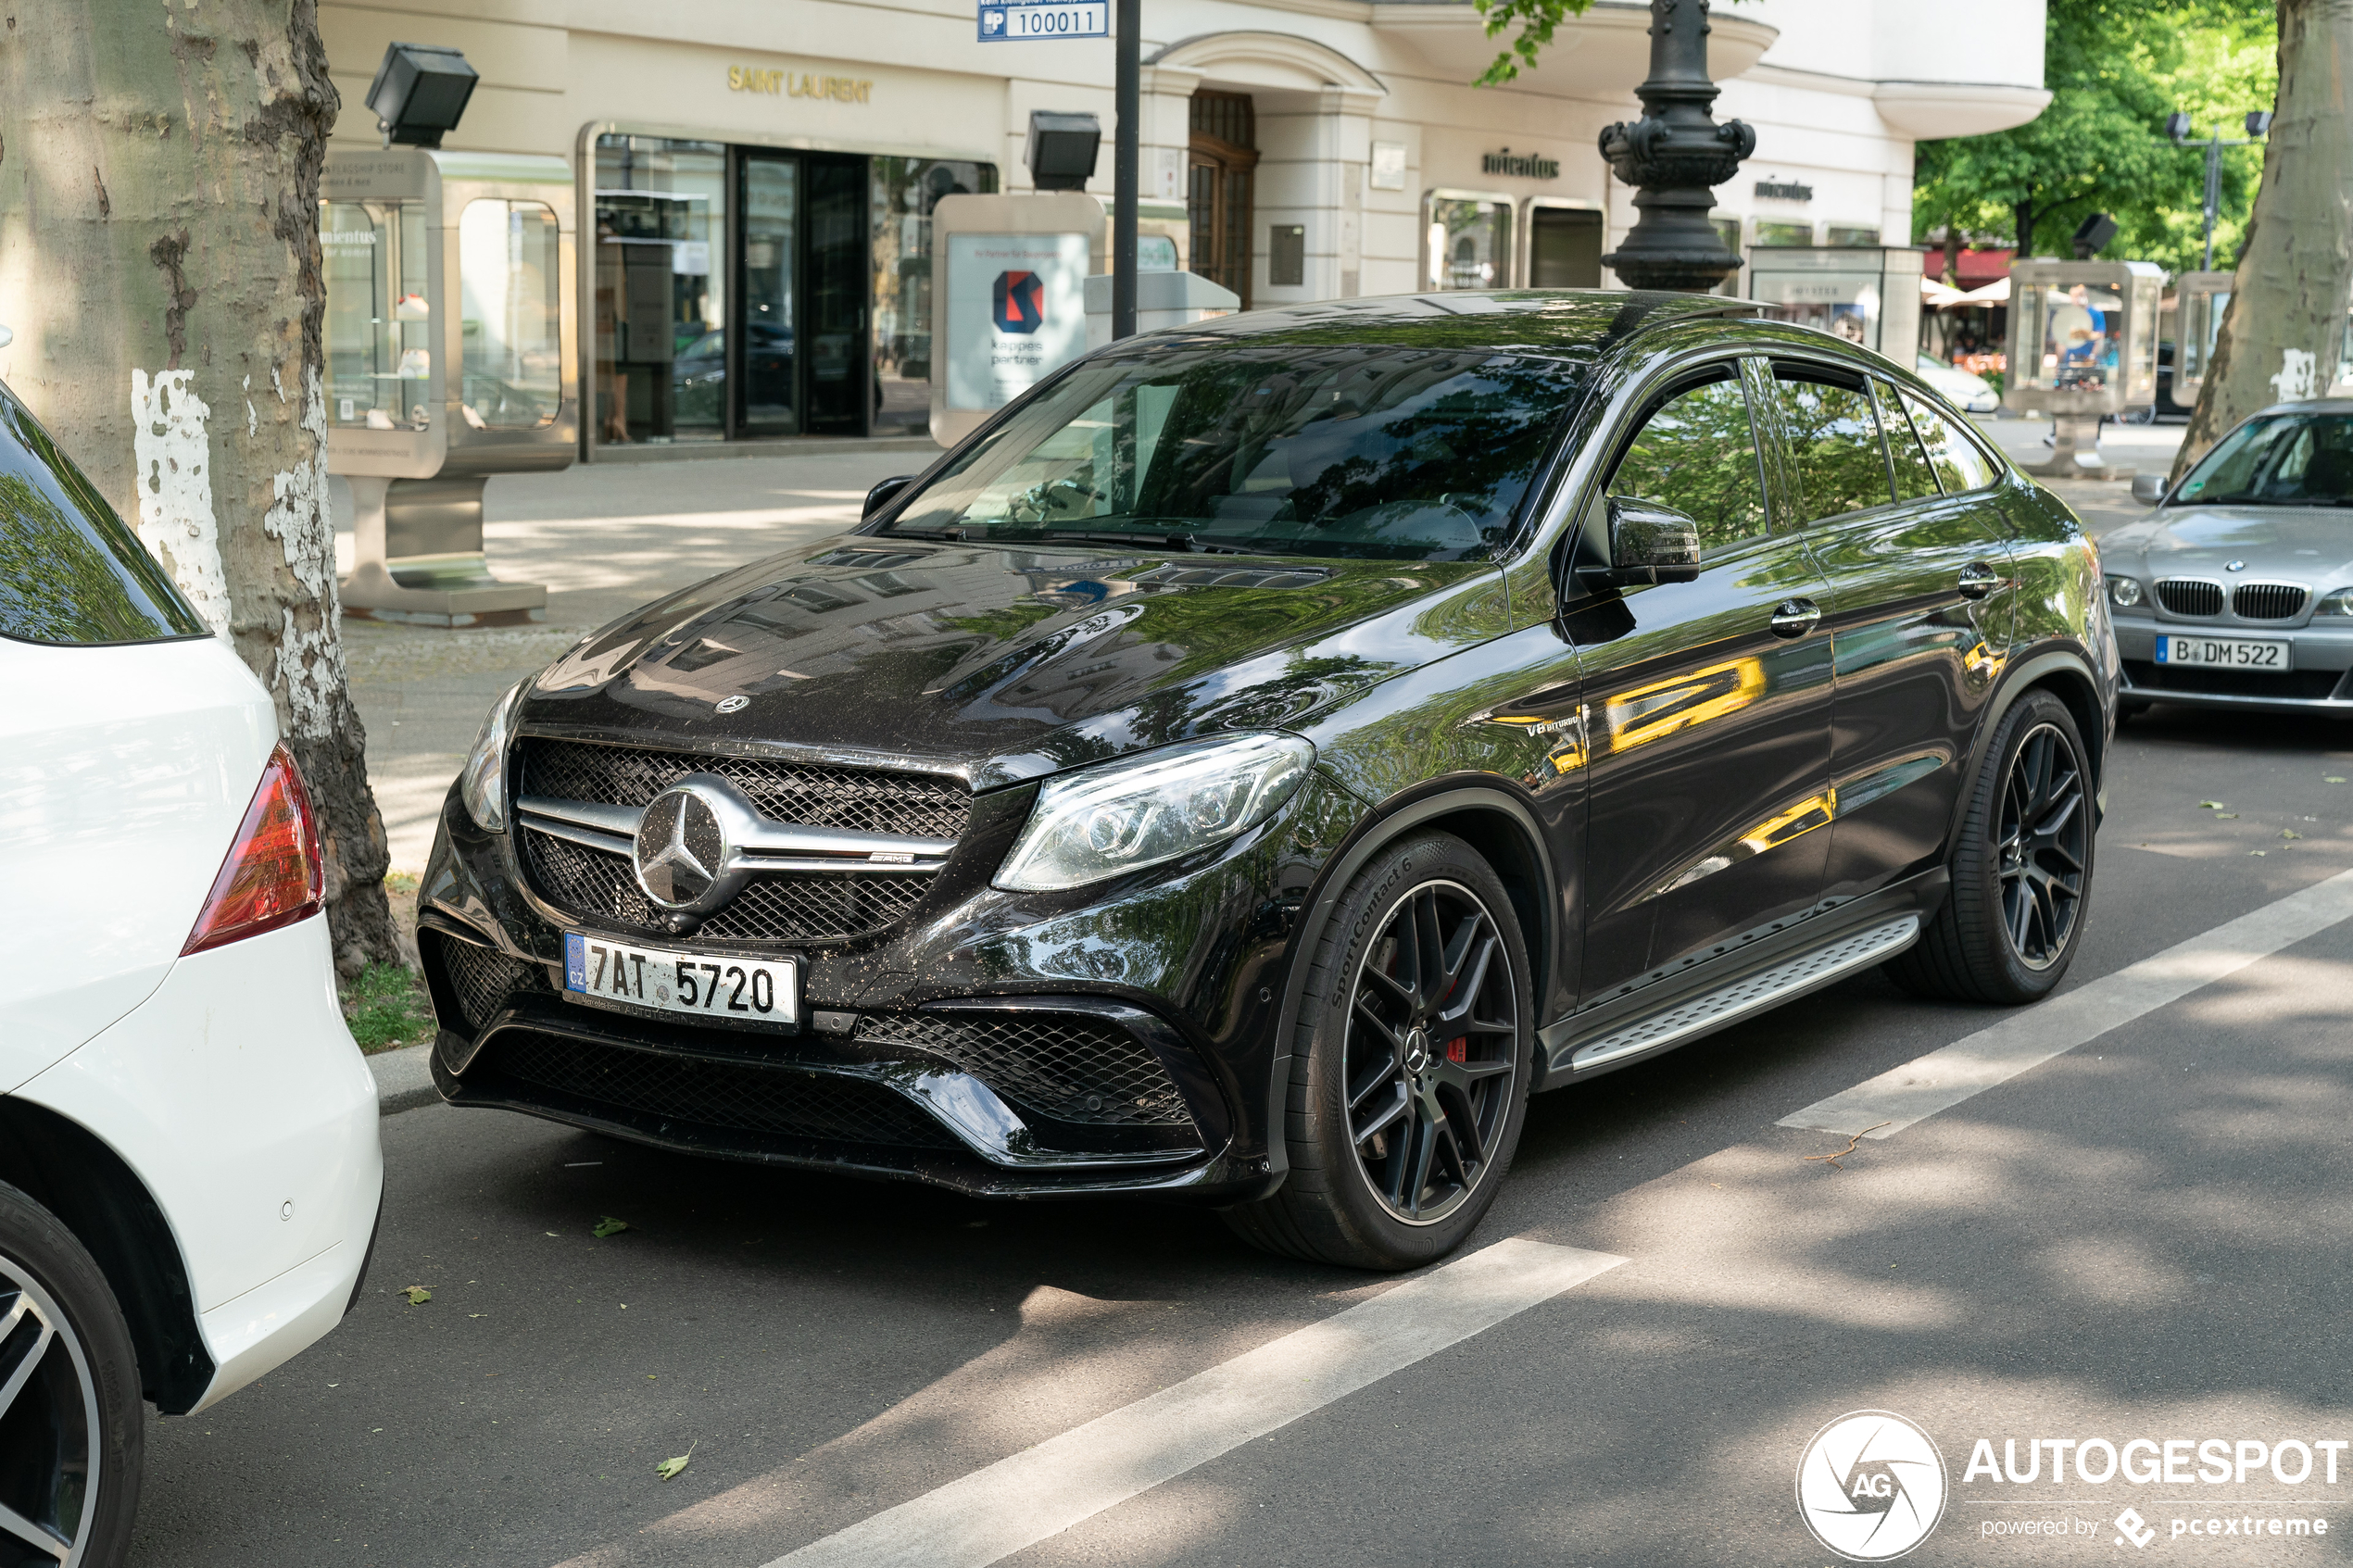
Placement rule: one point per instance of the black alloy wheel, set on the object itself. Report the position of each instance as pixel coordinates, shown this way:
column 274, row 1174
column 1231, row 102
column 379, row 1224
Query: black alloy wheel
column 71, row 1431
column 1433, row 1034
column 2045, row 846
column 2021, row 866
column 1411, row 1066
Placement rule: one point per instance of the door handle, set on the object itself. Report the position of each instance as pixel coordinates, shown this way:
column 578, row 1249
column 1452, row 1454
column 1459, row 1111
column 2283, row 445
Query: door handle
column 1794, row 618
column 1977, row 580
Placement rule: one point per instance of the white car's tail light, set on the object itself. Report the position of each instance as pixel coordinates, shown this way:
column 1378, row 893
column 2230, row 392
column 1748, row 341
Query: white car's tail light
column 272, row 877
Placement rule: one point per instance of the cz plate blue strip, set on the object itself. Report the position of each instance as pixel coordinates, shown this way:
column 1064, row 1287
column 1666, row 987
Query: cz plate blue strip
column 575, row 961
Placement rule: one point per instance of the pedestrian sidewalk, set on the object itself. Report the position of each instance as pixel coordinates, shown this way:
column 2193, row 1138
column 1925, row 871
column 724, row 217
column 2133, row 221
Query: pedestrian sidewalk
column 2102, row 504
column 604, row 539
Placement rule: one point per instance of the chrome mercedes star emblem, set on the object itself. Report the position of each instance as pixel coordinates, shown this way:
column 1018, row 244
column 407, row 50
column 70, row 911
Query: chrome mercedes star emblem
column 734, row 704
column 681, row 848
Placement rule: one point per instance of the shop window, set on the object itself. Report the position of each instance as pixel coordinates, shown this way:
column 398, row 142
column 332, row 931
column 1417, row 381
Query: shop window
column 1469, row 243
column 1225, row 160
column 1784, row 234
column 379, row 334
column 1728, row 231
column 1564, row 248
column 507, row 286
column 904, row 192
column 1841, row 235
column 660, row 310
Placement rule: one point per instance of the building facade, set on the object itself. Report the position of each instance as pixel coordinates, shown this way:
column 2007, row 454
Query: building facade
column 755, row 179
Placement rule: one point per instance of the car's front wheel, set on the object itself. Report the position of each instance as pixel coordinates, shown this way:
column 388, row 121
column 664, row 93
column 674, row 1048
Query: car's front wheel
column 1410, row 1079
column 71, row 1431
column 2021, row 868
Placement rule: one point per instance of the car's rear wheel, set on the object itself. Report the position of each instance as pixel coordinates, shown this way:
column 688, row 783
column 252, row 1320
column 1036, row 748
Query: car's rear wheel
column 1410, row 1078
column 71, row 1431
column 2021, row 869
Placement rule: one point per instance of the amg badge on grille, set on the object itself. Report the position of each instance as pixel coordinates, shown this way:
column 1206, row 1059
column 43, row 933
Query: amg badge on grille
column 681, row 848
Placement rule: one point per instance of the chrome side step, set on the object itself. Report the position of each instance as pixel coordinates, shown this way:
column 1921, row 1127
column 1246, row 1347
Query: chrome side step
column 1750, row 994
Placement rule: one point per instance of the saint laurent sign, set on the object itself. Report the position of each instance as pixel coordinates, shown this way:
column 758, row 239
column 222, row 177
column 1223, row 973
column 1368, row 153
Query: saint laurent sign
column 841, row 89
column 1784, row 191
column 1529, row 167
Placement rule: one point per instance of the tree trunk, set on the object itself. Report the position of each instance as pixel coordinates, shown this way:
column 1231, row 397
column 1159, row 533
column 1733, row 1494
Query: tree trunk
column 160, row 266
column 2286, row 323
column 1952, row 256
column 2024, row 211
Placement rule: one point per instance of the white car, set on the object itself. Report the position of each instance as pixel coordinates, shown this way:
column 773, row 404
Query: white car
column 1970, row 394
column 189, row 1166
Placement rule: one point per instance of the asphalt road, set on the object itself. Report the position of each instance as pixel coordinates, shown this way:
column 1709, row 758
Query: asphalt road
column 2144, row 1236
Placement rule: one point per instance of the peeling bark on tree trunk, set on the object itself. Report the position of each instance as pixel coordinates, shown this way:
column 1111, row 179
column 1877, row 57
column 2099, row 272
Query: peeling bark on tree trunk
column 2282, row 334
column 160, row 266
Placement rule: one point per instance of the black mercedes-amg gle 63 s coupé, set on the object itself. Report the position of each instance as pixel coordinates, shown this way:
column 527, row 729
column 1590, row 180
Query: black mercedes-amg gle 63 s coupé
column 1268, row 751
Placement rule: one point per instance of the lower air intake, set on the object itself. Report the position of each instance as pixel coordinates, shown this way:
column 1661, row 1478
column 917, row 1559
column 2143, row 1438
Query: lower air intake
column 1071, row 1068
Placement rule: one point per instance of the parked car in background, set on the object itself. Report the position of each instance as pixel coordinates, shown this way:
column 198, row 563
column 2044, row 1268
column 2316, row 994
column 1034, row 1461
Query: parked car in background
column 189, row 1169
column 1251, row 764
column 2237, row 590
column 1970, row 394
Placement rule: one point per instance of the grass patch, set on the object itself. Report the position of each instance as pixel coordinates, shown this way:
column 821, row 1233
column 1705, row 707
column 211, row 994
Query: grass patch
column 387, row 1007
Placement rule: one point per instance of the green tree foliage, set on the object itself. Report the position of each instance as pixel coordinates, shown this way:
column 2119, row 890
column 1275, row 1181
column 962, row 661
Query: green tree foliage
column 2116, row 69
column 1536, row 19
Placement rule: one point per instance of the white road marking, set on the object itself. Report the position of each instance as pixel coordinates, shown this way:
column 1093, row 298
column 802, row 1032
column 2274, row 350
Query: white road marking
column 1027, row 1497
column 1943, row 1078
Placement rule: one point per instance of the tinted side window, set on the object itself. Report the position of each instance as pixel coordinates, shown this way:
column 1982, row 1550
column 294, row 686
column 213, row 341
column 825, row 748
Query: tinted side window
column 1915, row 481
column 1697, row 454
column 69, row 570
column 1834, row 444
column 1958, row 463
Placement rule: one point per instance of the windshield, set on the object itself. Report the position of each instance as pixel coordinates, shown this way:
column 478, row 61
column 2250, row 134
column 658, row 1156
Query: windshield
column 2278, row 460
column 1371, row 452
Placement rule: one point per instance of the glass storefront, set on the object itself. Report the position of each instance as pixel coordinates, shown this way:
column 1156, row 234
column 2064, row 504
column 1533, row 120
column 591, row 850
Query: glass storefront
column 751, row 292
column 1470, row 243
column 510, row 319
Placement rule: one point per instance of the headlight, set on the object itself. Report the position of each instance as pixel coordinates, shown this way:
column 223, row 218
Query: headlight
column 1123, row 816
column 2339, row 602
column 2123, row 592
column 483, row 784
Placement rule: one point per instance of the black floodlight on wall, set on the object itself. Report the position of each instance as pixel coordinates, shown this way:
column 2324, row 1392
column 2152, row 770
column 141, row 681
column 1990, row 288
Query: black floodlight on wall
column 1061, row 153
column 419, row 93
column 2259, row 123
column 2092, row 234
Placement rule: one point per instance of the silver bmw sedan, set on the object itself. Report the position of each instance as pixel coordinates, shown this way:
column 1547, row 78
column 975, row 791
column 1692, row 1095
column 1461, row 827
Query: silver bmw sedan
column 2237, row 590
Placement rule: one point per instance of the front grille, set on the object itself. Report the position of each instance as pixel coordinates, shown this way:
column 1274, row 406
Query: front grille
column 1071, row 1068
column 802, row 794
column 2299, row 684
column 480, row 979
column 2184, row 597
column 813, row 907
column 2267, row 601
column 742, row 1097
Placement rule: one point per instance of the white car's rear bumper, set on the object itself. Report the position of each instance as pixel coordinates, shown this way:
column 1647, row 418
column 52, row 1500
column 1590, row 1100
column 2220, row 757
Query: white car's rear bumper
column 237, row 1095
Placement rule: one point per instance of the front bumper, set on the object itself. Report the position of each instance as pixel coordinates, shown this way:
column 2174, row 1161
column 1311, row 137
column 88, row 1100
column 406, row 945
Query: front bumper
column 1114, row 1040
column 2321, row 681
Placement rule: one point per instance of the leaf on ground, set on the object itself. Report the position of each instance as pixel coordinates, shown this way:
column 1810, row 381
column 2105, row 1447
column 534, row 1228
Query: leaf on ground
column 2211, row 805
column 671, row 1467
column 2290, row 832
column 418, row 1295
column 610, row 1226
column 2226, row 816
column 2257, row 853
column 2332, row 779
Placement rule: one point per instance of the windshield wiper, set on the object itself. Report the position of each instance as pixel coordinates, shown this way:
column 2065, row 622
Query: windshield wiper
column 1185, row 542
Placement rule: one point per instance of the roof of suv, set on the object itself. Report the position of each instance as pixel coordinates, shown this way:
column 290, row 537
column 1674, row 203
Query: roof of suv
column 1559, row 324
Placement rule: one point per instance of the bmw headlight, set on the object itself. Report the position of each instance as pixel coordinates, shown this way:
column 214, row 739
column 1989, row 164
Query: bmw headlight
column 2124, row 592
column 1123, row 816
column 2337, row 602
column 483, row 784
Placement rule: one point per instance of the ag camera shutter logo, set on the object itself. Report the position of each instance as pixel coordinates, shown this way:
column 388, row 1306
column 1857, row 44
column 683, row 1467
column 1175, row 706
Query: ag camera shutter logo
column 1870, row 1485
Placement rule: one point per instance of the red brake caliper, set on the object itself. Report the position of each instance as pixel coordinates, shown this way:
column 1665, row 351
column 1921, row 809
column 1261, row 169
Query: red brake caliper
column 1457, row 1050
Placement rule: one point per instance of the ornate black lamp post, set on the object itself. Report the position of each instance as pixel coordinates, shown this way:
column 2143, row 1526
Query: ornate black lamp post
column 1677, row 155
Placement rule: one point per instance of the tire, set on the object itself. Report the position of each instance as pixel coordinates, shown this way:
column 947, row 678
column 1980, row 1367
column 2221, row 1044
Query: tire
column 2011, row 924
column 1396, row 1173
column 77, row 1411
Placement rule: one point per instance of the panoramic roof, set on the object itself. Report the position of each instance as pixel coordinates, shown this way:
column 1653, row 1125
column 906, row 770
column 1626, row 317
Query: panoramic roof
column 1560, row 323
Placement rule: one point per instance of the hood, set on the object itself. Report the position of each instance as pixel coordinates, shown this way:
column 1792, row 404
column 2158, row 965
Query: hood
column 999, row 663
column 2307, row 544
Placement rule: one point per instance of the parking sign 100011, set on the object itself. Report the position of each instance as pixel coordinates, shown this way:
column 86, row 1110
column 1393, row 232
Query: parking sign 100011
column 1027, row 20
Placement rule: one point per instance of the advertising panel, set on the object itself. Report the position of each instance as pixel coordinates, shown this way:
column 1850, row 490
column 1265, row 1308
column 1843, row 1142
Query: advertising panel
column 1016, row 312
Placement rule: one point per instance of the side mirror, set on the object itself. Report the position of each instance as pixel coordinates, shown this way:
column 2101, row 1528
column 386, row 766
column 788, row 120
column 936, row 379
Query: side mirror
column 1648, row 544
column 882, row 495
column 2148, row 489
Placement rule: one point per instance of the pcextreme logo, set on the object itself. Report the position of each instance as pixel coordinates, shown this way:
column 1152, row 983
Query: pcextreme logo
column 1870, row 1485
